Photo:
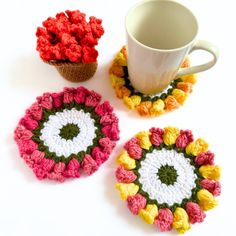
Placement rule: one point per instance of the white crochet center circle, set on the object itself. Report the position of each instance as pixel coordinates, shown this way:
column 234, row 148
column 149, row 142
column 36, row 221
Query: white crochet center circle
column 62, row 147
column 162, row 192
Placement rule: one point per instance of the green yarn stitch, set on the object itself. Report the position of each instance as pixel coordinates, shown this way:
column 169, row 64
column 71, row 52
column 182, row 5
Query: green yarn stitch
column 79, row 156
column 167, row 174
column 69, row 131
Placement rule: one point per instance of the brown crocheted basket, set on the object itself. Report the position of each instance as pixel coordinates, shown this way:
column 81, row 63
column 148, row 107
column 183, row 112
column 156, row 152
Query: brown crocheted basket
column 75, row 72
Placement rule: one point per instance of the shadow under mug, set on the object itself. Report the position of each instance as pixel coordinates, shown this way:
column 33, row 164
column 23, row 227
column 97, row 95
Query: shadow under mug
column 160, row 35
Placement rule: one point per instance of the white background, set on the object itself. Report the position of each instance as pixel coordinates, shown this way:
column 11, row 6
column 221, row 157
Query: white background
column 91, row 206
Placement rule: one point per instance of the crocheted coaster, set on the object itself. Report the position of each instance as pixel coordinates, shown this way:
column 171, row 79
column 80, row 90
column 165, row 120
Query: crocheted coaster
column 168, row 178
column 155, row 105
column 63, row 132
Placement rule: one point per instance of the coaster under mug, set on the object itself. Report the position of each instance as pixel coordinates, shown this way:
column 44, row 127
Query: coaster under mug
column 149, row 105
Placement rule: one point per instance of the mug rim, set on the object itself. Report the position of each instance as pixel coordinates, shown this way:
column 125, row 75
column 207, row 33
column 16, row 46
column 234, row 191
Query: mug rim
column 142, row 2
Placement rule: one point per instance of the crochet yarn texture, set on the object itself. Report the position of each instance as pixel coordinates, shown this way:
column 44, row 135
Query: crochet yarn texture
column 168, row 178
column 64, row 132
column 171, row 98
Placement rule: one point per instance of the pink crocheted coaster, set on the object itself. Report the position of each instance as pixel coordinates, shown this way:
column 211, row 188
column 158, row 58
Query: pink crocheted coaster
column 168, row 178
column 64, row 132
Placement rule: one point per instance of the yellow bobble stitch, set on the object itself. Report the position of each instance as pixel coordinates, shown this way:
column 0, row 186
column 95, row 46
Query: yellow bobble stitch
column 197, row 147
column 116, row 81
column 126, row 161
column 132, row 101
column 189, row 78
column 158, row 108
column 210, row 172
column 120, row 59
column 149, row 213
column 180, row 221
column 206, row 200
column 127, row 190
column 170, row 135
column 179, row 95
column 144, row 140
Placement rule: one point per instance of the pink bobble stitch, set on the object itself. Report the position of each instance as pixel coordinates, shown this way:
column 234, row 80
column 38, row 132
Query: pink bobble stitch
column 72, row 169
column 156, row 136
column 184, row 139
column 57, row 172
column 56, row 176
column 89, row 165
column 57, row 99
column 212, row 186
column 37, row 156
column 47, row 164
column 107, row 145
column 93, row 99
column 104, row 108
column 69, row 95
column 195, row 213
column 35, row 111
column 29, row 123
column 22, row 134
column 99, row 156
column 125, row 176
column 164, row 219
column 27, row 147
column 45, row 101
column 136, row 203
column 81, row 94
column 40, row 174
column 133, row 148
column 42, row 170
column 59, row 167
column 112, row 131
column 28, row 160
column 34, row 159
column 205, row 158
column 108, row 119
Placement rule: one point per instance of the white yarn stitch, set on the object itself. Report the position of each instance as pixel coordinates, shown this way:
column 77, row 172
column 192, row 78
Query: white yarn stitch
column 159, row 191
column 62, row 147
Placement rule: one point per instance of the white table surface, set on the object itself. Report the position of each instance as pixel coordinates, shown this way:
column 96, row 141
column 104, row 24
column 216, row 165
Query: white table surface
column 91, row 206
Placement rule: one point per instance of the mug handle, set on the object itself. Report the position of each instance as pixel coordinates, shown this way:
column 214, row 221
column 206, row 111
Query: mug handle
column 201, row 45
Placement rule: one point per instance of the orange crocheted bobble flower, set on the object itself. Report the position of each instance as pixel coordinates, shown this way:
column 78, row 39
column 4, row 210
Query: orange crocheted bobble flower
column 117, row 70
column 185, row 86
column 144, row 108
column 171, row 103
column 122, row 91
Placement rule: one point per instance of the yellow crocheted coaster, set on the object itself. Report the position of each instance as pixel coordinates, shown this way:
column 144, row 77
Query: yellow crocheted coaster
column 169, row 99
column 168, row 178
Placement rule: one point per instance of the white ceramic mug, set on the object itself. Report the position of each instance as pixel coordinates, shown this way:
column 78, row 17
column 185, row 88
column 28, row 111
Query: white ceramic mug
column 160, row 35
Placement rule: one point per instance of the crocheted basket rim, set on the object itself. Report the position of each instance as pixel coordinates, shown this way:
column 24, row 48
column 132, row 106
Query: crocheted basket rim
column 74, row 71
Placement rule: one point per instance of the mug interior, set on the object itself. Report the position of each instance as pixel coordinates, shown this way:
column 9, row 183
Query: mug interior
column 161, row 24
